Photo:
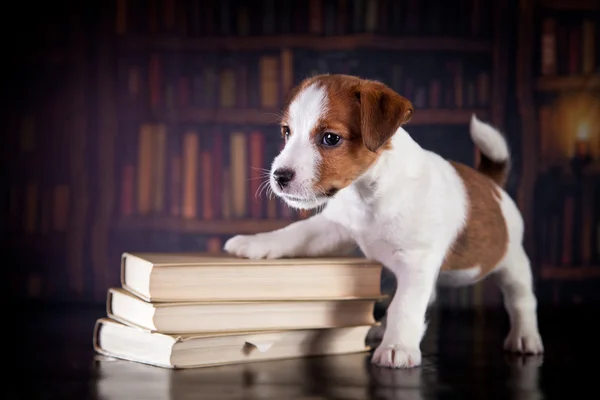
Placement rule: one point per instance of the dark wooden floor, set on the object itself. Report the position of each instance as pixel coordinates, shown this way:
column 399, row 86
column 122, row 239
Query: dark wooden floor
column 50, row 357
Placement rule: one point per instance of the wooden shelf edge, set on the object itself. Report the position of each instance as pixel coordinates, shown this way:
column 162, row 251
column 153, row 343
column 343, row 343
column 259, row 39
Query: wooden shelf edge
column 567, row 83
column 271, row 117
column 446, row 116
column 570, row 272
column 321, row 43
column 570, row 5
column 181, row 225
column 564, row 167
column 48, row 241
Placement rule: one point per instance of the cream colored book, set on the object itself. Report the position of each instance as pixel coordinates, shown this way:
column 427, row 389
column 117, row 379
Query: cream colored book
column 117, row 340
column 231, row 316
column 169, row 277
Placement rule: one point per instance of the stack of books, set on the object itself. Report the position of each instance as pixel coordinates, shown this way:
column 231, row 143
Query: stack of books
column 194, row 310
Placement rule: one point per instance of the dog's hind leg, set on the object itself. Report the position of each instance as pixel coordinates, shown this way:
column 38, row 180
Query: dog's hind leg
column 516, row 283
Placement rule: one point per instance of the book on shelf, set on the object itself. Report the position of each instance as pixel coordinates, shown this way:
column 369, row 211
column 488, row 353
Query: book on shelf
column 114, row 339
column 567, row 221
column 241, row 315
column 199, row 19
column 173, row 277
column 568, row 48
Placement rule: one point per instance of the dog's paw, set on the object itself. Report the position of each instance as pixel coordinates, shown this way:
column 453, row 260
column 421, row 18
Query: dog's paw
column 253, row 246
column 524, row 342
column 396, row 356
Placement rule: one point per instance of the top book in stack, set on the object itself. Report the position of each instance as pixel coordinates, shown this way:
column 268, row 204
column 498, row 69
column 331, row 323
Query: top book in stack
column 173, row 277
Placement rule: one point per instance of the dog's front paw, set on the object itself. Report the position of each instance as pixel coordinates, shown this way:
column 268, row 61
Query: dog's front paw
column 253, row 246
column 520, row 341
column 395, row 355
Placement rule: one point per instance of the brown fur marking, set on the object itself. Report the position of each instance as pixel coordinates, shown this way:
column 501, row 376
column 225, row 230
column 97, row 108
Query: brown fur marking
column 365, row 114
column 498, row 172
column 484, row 239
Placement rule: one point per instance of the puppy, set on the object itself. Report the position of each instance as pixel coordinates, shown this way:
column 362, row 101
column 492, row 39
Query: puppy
column 427, row 219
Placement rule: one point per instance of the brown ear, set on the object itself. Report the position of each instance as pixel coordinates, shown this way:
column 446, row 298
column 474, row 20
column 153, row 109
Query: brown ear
column 382, row 111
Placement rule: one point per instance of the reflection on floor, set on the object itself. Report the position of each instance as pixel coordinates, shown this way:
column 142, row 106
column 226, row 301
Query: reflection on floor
column 463, row 359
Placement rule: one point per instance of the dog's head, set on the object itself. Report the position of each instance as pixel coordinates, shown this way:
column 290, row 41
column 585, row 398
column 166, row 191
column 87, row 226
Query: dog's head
column 335, row 127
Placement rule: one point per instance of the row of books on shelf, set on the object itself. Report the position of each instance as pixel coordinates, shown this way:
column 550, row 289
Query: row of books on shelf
column 171, row 80
column 567, row 221
column 174, row 80
column 37, row 207
column 184, row 310
column 194, row 18
column 202, row 172
column 567, row 47
column 198, row 173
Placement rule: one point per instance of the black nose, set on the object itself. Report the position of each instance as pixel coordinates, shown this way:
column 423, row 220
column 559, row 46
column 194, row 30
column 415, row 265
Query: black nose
column 283, row 176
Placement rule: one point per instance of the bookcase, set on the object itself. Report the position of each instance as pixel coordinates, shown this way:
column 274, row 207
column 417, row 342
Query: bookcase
column 45, row 201
column 558, row 85
column 171, row 109
column 190, row 95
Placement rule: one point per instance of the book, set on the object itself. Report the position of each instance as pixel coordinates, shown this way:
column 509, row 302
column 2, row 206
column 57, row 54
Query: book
column 230, row 316
column 117, row 340
column 171, row 277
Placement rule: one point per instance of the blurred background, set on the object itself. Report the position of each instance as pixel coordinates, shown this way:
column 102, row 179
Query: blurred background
column 134, row 125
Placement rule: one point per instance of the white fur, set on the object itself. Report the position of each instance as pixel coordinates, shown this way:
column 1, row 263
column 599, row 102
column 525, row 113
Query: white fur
column 404, row 212
column 299, row 154
column 458, row 278
column 488, row 140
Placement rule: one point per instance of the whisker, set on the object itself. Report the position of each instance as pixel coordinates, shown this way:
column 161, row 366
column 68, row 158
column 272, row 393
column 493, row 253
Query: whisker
column 261, row 188
column 260, row 169
column 270, row 193
column 263, row 171
column 277, row 116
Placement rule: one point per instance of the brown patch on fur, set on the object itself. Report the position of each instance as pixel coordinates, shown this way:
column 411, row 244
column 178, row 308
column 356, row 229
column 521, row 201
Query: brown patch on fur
column 484, row 239
column 496, row 171
column 365, row 114
column 382, row 112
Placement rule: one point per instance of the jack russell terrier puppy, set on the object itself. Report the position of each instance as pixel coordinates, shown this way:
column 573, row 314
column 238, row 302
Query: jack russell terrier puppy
column 427, row 219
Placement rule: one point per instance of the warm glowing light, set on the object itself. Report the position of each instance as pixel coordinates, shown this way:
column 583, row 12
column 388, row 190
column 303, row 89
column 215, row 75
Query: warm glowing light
column 575, row 120
column 583, row 132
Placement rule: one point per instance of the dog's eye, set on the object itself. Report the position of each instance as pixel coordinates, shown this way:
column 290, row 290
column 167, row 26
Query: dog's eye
column 330, row 139
column 285, row 132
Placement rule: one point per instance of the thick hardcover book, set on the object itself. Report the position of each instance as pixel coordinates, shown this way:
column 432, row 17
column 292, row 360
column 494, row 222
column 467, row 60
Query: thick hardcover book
column 117, row 340
column 171, row 277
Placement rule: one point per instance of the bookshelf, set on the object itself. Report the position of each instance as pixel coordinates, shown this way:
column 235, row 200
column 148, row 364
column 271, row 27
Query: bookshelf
column 244, row 226
column 558, row 85
column 567, row 83
column 577, row 273
column 68, row 205
column 312, row 43
column 335, row 43
column 271, row 117
column 65, row 199
column 46, row 199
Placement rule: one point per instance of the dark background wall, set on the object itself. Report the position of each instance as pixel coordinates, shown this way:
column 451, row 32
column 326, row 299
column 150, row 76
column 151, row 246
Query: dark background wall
column 143, row 125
